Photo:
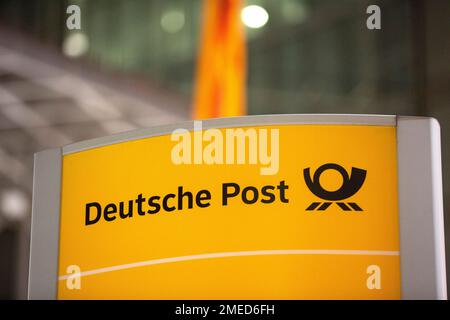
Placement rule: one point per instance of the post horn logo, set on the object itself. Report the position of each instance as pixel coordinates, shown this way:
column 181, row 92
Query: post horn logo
column 349, row 187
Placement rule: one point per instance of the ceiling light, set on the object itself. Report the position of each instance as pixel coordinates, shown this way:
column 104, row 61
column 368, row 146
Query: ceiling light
column 75, row 44
column 14, row 204
column 254, row 16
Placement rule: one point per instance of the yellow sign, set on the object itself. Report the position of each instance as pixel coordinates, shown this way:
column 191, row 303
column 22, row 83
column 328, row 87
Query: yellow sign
column 323, row 223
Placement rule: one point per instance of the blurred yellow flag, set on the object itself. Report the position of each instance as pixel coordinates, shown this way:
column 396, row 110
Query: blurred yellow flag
column 221, row 66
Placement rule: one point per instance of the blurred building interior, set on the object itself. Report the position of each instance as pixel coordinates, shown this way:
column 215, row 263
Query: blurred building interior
column 132, row 65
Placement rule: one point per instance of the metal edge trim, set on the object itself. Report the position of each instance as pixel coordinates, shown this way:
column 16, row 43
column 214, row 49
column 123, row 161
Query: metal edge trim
column 258, row 120
column 45, row 225
column 422, row 246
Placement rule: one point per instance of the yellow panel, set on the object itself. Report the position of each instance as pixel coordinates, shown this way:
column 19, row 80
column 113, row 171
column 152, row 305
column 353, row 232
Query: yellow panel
column 234, row 251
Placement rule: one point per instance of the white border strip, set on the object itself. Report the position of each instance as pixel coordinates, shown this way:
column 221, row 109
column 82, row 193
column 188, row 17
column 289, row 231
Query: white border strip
column 232, row 254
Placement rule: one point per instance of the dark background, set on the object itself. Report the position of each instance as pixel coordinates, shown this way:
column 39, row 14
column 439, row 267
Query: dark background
column 134, row 70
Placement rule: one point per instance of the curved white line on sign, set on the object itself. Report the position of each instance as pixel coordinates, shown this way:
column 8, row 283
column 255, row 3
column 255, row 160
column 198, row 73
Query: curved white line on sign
column 233, row 254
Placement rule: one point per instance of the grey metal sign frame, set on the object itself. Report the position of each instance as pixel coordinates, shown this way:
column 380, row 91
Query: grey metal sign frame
column 422, row 247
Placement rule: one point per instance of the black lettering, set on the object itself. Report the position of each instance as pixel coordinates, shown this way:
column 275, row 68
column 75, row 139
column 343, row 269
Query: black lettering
column 139, row 201
column 226, row 194
column 94, row 211
column 122, row 213
column 166, row 200
column 283, row 187
column 245, row 198
column 109, row 212
column 181, row 195
column 203, row 195
column 270, row 196
column 88, row 221
column 153, row 202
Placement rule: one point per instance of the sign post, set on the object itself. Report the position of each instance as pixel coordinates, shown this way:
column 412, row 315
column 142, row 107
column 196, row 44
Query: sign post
column 258, row 207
